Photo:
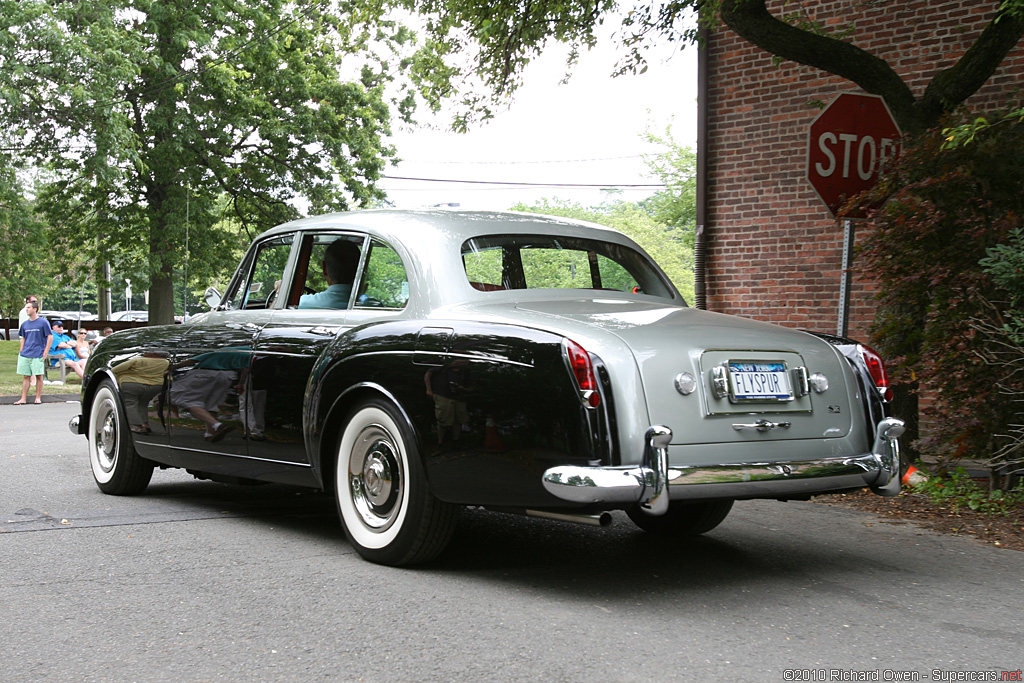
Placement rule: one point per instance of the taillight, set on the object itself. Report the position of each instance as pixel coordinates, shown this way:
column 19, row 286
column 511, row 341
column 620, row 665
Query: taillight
column 877, row 370
column 583, row 370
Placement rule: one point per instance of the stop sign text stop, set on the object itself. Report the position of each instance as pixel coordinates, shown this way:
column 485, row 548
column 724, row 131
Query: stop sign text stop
column 848, row 145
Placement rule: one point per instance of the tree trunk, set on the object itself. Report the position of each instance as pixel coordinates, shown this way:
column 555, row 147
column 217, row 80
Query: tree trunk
column 161, row 286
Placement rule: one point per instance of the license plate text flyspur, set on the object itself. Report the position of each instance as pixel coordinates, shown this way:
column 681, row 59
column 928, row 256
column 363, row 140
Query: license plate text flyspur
column 752, row 380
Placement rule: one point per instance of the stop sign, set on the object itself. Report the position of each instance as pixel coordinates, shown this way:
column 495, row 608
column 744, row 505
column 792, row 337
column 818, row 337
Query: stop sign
column 847, row 147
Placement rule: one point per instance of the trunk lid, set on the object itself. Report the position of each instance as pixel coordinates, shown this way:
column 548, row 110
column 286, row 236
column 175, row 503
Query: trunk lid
column 761, row 370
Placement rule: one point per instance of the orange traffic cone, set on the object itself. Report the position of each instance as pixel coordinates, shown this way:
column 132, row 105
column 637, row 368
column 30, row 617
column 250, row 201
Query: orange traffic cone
column 914, row 476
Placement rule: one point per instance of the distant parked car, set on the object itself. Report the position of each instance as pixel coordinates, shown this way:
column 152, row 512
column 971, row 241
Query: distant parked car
column 124, row 316
column 71, row 319
column 516, row 362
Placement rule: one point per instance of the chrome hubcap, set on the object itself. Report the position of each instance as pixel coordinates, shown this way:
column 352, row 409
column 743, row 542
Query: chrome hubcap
column 375, row 478
column 105, row 438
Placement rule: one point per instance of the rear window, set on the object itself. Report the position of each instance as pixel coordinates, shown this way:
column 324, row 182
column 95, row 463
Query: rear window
column 553, row 262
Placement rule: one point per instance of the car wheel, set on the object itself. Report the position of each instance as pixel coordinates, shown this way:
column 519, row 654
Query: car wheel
column 388, row 513
column 683, row 519
column 116, row 467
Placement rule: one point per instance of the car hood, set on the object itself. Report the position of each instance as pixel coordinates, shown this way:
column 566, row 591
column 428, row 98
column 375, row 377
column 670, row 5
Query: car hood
column 664, row 341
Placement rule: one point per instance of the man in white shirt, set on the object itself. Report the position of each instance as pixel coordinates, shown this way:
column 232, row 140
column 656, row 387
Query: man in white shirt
column 23, row 313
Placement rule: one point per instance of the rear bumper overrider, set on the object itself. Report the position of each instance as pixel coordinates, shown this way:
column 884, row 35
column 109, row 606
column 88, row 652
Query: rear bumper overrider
column 654, row 481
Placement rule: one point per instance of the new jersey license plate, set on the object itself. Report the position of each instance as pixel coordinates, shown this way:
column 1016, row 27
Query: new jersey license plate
column 759, row 381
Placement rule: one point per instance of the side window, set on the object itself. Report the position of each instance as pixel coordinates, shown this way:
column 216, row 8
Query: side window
column 483, row 268
column 325, row 271
column 260, row 287
column 384, row 283
column 614, row 275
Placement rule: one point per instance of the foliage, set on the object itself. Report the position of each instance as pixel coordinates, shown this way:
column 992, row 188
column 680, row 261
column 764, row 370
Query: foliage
column 941, row 292
column 668, row 246
column 1000, row 326
column 507, row 35
column 1004, row 263
column 153, row 115
column 965, row 133
column 676, row 167
column 958, row 490
column 24, row 253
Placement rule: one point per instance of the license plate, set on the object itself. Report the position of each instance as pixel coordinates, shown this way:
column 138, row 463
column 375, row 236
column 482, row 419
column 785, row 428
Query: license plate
column 759, row 381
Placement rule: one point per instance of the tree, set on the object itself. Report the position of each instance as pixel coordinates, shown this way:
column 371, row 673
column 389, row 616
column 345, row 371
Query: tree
column 154, row 115
column 676, row 167
column 23, row 258
column 509, row 34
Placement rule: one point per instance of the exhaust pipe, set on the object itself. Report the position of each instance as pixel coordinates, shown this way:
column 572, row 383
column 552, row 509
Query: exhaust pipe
column 602, row 519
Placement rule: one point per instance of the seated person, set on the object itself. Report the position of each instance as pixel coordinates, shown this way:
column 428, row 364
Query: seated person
column 63, row 345
column 82, row 346
column 340, row 262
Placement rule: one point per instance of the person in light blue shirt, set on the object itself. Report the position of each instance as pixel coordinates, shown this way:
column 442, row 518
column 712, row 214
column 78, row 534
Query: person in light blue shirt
column 63, row 345
column 340, row 262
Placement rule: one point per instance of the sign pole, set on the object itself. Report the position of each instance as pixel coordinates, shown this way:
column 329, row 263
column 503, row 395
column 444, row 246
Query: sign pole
column 845, row 279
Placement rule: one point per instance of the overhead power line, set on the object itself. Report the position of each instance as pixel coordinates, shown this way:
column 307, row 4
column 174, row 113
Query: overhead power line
column 652, row 186
column 515, row 163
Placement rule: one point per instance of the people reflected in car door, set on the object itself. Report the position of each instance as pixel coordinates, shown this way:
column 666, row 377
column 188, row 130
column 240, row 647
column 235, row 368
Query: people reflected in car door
column 339, row 265
column 141, row 379
column 448, row 385
column 202, row 390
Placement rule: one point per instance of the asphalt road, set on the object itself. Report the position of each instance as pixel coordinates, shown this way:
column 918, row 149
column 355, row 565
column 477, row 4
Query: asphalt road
column 197, row 581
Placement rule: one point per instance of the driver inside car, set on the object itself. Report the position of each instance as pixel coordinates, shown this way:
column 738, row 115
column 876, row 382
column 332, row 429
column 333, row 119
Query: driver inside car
column 339, row 265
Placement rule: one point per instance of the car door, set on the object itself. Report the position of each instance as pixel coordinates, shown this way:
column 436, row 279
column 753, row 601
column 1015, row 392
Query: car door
column 210, row 406
column 290, row 345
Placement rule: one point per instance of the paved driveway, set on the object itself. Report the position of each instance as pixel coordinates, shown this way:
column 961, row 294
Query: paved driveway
column 198, row 581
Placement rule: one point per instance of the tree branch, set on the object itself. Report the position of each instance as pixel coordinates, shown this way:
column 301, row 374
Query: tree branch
column 949, row 88
column 753, row 22
column 952, row 86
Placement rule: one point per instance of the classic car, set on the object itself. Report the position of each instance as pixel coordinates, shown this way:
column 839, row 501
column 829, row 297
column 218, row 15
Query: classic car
column 508, row 361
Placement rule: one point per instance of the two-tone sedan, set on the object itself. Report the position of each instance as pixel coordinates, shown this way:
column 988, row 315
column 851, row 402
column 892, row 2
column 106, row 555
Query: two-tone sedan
column 415, row 363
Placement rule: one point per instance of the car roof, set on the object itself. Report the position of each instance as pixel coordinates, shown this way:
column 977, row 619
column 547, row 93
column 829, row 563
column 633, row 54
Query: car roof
column 403, row 226
column 430, row 241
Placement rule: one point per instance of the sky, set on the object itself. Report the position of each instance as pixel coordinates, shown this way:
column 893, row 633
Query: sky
column 586, row 132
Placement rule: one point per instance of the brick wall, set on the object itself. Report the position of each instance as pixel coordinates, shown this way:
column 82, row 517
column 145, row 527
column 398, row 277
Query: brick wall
column 774, row 253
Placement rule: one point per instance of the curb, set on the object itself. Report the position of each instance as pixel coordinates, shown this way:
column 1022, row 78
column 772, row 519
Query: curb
column 51, row 398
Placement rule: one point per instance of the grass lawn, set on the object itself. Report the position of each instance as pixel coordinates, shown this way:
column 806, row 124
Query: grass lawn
column 10, row 380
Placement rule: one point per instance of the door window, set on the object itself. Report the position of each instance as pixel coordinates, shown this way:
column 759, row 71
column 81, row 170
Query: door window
column 384, row 283
column 264, row 272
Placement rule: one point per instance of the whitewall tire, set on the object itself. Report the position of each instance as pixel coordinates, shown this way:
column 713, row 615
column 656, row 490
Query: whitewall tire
column 116, row 467
column 388, row 513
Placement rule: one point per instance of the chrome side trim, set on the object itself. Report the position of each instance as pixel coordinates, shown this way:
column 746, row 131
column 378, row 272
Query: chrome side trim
column 226, row 456
column 617, row 486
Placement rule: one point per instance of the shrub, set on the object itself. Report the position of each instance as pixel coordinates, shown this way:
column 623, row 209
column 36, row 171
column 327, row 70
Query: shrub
column 943, row 254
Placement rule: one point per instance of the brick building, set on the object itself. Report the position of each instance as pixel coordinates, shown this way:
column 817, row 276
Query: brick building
column 772, row 250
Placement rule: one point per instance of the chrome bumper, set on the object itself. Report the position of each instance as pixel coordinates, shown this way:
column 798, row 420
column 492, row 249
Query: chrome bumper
column 652, row 482
column 73, row 425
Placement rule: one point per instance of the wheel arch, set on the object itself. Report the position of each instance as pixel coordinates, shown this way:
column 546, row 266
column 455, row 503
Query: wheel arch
column 331, row 421
column 92, row 384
